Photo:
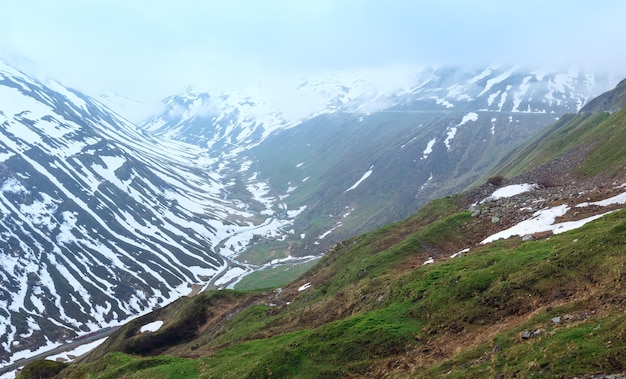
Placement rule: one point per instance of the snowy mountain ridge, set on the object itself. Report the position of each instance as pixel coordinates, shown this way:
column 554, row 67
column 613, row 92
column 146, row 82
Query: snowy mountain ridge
column 246, row 118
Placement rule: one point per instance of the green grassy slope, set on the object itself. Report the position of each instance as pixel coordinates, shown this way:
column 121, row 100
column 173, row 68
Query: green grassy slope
column 373, row 309
column 550, row 307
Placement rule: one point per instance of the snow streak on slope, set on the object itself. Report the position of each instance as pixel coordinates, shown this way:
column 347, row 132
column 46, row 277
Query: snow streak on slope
column 429, row 148
column 365, row 176
column 498, row 79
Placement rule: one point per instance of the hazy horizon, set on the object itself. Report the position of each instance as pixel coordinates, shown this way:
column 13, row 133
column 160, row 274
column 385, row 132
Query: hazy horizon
column 150, row 50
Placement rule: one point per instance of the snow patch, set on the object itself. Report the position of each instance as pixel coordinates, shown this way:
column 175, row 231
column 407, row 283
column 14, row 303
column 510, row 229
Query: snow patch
column 503, row 98
column 230, row 275
column 295, row 213
column 449, row 137
column 492, row 97
column 365, row 176
column 519, row 95
column 509, row 191
column 480, row 76
column 429, row 148
column 325, row 234
column 430, row 178
column 65, row 229
column 496, row 80
column 304, row 287
column 443, row 102
column 619, row 199
column 70, row 355
column 12, row 185
column 151, row 327
column 460, row 253
column 472, row 116
column 542, row 221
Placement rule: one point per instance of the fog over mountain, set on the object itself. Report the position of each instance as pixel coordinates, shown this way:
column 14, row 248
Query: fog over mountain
column 157, row 49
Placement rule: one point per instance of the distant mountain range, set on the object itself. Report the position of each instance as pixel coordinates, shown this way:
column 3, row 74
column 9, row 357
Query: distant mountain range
column 244, row 119
column 103, row 220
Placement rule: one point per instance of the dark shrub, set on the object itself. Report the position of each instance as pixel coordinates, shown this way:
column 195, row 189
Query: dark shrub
column 496, row 180
column 42, row 369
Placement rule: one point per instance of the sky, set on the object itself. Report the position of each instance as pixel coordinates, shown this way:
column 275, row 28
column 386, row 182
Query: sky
column 150, row 49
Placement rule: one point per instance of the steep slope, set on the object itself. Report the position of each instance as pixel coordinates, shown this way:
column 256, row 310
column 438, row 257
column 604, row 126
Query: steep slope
column 354, row 171
column 574, row 141
column 439, row 294
column 99, row 221
column 610, row 101
column 374, row 309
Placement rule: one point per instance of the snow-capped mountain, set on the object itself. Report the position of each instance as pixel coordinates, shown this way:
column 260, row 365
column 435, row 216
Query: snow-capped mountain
column 504, row 89
column 100, row 221
column 246, row 118
column 217, row 121
column 330, row 94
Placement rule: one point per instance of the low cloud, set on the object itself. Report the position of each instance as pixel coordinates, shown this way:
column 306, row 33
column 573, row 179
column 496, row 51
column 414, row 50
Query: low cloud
column 152, row 50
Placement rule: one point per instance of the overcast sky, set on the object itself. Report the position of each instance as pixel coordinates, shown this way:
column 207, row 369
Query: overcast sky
column 151, row 49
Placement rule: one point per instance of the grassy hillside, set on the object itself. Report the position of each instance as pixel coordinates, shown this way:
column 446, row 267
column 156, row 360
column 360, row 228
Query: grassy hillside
column 373, row 306
column 373, row 309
